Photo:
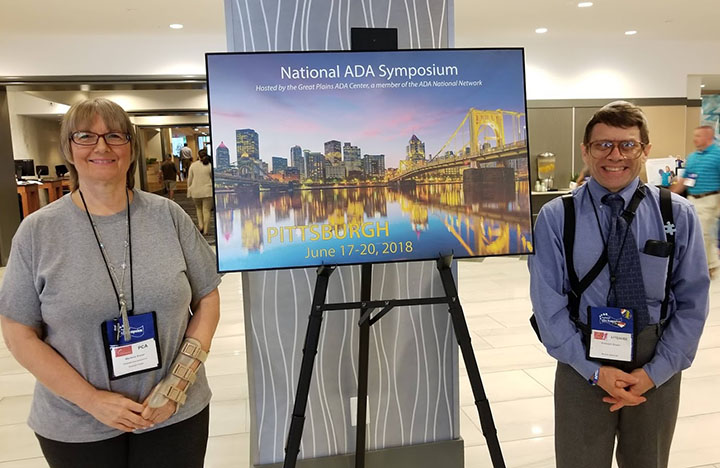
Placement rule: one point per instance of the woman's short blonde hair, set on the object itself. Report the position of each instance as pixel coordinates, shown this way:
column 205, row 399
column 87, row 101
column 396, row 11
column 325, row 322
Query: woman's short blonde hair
column 80, row 117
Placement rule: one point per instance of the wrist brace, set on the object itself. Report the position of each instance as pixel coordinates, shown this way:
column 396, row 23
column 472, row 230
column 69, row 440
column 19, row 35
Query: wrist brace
column 181, row 370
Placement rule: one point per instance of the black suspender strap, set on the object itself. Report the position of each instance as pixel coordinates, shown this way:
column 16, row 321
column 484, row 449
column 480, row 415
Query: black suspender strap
column 669, row 226
column 577, row 286
column 629, row 212
column 569, row 238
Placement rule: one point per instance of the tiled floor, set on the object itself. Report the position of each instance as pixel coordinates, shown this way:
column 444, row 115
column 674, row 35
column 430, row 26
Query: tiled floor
column 517, row 373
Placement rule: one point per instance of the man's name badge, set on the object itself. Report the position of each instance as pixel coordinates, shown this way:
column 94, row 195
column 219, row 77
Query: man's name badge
column 690, row 180
column 611, row 334
column 140, row 353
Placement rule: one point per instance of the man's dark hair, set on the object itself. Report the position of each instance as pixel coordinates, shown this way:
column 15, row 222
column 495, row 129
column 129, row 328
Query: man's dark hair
column 620, row 114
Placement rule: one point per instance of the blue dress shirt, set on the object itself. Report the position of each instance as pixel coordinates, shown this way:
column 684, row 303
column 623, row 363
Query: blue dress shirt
column 549, row 283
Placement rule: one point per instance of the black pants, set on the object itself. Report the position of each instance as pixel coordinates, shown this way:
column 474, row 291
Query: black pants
column 178, row 445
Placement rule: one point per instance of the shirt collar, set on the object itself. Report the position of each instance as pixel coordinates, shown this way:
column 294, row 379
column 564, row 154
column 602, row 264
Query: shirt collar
column 710, row 147
column 597, row 191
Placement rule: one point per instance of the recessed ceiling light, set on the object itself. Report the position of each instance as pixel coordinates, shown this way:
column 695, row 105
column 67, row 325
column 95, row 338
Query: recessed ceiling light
column 176, row 26
column 585, row 4
column 541, row 30
column 630, row 33
column 702, row 85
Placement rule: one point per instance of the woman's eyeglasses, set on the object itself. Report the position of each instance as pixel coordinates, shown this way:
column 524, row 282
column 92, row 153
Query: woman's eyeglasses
column 91, row 139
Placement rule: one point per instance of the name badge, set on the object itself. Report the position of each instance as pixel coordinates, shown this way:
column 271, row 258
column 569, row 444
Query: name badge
column 612, row 334
column 690, row 180
column 141, row 353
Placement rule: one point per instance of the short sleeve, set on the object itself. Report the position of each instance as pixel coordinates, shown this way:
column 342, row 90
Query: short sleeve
column 199, row 257
column 19, row 296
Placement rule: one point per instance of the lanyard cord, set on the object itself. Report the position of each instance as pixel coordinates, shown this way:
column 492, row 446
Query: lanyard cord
column 122, row 305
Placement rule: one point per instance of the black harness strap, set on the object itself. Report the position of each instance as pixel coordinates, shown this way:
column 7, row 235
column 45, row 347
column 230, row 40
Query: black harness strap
column 578, row 286
column 669, row 226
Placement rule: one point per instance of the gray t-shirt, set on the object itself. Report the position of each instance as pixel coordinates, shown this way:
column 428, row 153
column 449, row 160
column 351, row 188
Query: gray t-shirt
column 56, row 280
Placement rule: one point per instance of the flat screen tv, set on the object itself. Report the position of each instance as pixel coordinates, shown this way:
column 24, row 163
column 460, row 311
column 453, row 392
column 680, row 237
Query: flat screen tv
column 354, row 157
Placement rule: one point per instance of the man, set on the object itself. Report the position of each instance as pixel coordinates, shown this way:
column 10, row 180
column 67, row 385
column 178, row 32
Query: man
column 628, row 388
column 185, row 159
column 169, row 175
column 702, row 181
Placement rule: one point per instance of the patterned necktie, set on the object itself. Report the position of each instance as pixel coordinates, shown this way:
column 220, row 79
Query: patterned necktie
column 625, row 270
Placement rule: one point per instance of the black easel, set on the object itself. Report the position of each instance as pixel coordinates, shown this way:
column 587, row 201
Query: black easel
column 366, row 307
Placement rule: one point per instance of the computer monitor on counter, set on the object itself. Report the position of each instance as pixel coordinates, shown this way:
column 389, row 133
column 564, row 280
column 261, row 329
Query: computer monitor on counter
column 24, row 168
column 61, row 170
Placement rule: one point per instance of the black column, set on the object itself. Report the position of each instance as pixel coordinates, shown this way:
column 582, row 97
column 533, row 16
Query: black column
column 9, row 208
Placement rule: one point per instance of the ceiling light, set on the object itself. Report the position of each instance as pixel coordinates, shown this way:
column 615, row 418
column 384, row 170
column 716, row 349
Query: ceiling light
column 176, row 26
column 541, row 30
column 630, row 33
column 585, row 4
column 702, row 85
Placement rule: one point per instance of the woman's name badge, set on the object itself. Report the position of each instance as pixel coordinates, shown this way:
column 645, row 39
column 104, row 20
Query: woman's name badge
column 612, row 334
column 140, row 353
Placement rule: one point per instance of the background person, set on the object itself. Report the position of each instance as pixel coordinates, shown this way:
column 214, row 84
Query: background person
column 70, row 315
column 634, row 402
column 200, row 189
column 169, row 174
column 186, row 159
column 702, row 181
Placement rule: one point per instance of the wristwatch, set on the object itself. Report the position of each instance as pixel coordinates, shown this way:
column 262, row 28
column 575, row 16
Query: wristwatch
column 594, row 379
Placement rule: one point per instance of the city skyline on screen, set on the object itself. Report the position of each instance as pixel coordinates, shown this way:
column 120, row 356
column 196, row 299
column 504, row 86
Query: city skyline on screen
column 378, row 121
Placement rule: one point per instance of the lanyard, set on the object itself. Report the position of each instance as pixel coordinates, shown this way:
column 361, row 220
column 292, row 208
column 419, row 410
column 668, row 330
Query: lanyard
column 119, row 295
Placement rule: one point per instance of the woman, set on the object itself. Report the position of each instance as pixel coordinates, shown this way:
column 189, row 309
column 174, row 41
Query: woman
column 200, row 190
column 95, row 303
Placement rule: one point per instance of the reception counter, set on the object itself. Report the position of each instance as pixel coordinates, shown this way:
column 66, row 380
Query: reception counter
column 30, row 191
column 29, row 197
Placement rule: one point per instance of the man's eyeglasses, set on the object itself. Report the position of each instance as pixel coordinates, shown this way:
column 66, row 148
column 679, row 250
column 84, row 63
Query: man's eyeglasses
column 629, row 149
column 91, row 139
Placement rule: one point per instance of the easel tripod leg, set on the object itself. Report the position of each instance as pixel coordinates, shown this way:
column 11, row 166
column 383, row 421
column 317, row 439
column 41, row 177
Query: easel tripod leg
column 462, row 334
column 363, row 355
column 312, row 338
